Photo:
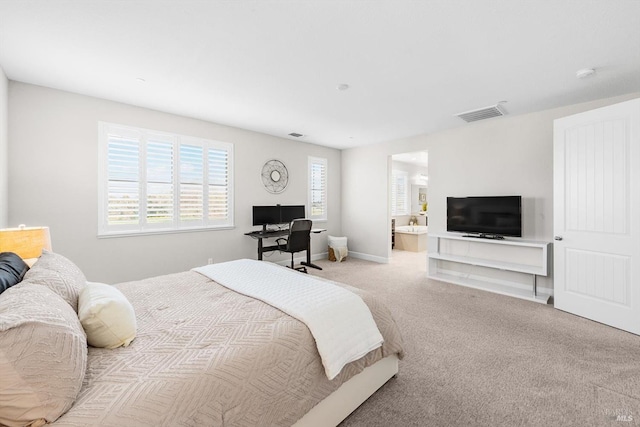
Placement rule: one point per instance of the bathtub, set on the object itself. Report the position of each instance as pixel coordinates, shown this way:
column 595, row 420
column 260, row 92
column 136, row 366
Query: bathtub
column 411, row 238
column 412, row 229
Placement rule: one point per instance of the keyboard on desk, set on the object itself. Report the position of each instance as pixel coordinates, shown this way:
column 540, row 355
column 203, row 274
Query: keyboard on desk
column 268, row 233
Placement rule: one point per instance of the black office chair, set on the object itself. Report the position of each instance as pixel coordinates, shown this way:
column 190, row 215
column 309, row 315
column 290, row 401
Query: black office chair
column 297, row 240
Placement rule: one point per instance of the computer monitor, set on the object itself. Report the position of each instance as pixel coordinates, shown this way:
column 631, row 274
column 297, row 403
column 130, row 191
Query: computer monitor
column 265, row 215
column 289, row 213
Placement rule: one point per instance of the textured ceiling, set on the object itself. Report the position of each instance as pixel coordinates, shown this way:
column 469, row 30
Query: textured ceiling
column 274, row 66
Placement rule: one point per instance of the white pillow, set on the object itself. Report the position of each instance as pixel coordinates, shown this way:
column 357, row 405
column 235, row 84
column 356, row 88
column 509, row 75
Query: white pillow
column 106, row 316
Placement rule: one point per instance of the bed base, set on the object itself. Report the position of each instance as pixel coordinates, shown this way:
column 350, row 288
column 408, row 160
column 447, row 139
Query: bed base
column 346, row 399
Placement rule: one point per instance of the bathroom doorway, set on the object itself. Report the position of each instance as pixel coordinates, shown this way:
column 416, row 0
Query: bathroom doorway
column 409, row 188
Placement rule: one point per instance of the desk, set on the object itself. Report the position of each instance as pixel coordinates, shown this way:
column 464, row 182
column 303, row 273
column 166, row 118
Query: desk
column 274, row 234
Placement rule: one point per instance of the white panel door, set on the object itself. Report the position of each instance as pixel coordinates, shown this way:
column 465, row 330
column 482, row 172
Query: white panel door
column 597, row 215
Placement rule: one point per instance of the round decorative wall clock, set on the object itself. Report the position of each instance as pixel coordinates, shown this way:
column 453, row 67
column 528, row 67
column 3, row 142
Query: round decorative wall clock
column 275, row 176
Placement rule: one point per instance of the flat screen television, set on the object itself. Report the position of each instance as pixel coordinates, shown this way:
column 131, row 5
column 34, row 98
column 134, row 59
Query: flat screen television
column 488, row 216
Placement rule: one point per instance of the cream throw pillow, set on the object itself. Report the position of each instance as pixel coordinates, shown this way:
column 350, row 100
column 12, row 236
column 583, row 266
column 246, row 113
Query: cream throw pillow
column 106, row 315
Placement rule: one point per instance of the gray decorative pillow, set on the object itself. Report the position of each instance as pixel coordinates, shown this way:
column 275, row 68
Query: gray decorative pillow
column 58, row 274
column 43, row 356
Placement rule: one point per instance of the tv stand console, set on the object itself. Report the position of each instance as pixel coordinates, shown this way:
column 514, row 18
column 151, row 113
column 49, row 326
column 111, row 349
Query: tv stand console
column 485, row 236
column 453, row 258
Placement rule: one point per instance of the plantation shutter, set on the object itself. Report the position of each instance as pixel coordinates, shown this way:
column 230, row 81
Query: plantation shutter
column 219, row 194
column 151, row 181
column 123, row 192
column 191, row 183
column 399, row 190
column 160, row 186
column 317, row 188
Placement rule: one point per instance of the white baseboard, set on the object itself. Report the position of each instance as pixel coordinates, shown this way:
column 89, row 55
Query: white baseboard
column 325, row 255
column 367, row 257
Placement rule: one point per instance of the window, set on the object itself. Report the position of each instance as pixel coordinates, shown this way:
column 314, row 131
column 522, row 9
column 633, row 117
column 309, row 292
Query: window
column 156, row 182
column 399, row 189
column 317, row 209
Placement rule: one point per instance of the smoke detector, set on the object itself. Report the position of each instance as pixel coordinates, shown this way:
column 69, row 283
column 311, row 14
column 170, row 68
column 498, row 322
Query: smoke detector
column 482, row 113
column 585, row 72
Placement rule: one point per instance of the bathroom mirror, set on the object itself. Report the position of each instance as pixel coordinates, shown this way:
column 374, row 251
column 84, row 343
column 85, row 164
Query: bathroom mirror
column 418, row 197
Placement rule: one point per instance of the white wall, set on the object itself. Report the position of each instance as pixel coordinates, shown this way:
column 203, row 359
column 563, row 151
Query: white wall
column 366, row 214
column 4, row 153
column 53, row 154
column 502, row 156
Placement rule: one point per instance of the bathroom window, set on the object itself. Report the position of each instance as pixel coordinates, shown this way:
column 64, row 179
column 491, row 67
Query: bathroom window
column 317, row 209
column 399, row 193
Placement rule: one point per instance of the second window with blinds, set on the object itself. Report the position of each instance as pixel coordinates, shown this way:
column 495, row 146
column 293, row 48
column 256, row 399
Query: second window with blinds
column 153, row 181
column 317, row 197
column 399, row 193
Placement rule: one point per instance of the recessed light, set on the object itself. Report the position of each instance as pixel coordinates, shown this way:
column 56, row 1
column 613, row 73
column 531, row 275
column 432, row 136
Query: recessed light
column 342, row 86
column 585, row 72
column 140, row 80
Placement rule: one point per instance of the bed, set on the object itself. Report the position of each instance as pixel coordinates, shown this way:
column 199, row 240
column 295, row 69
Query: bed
column 206, row 355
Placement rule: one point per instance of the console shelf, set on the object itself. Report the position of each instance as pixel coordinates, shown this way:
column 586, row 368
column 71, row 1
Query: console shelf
column 521, row 256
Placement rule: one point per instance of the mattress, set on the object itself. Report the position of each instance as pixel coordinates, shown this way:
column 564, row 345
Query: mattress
column 206, row 355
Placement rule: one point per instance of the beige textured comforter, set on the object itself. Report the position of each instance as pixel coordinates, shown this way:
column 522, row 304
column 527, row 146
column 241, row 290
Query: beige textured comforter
column 207, row 356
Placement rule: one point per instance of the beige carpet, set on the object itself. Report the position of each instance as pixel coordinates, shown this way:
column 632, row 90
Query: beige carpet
column 474, row 358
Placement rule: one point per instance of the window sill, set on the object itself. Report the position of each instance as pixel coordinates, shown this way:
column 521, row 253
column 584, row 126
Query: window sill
column 153, row 232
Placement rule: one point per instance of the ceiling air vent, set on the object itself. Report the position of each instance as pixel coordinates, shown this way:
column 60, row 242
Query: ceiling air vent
column 294, row 134
column 482, row 113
